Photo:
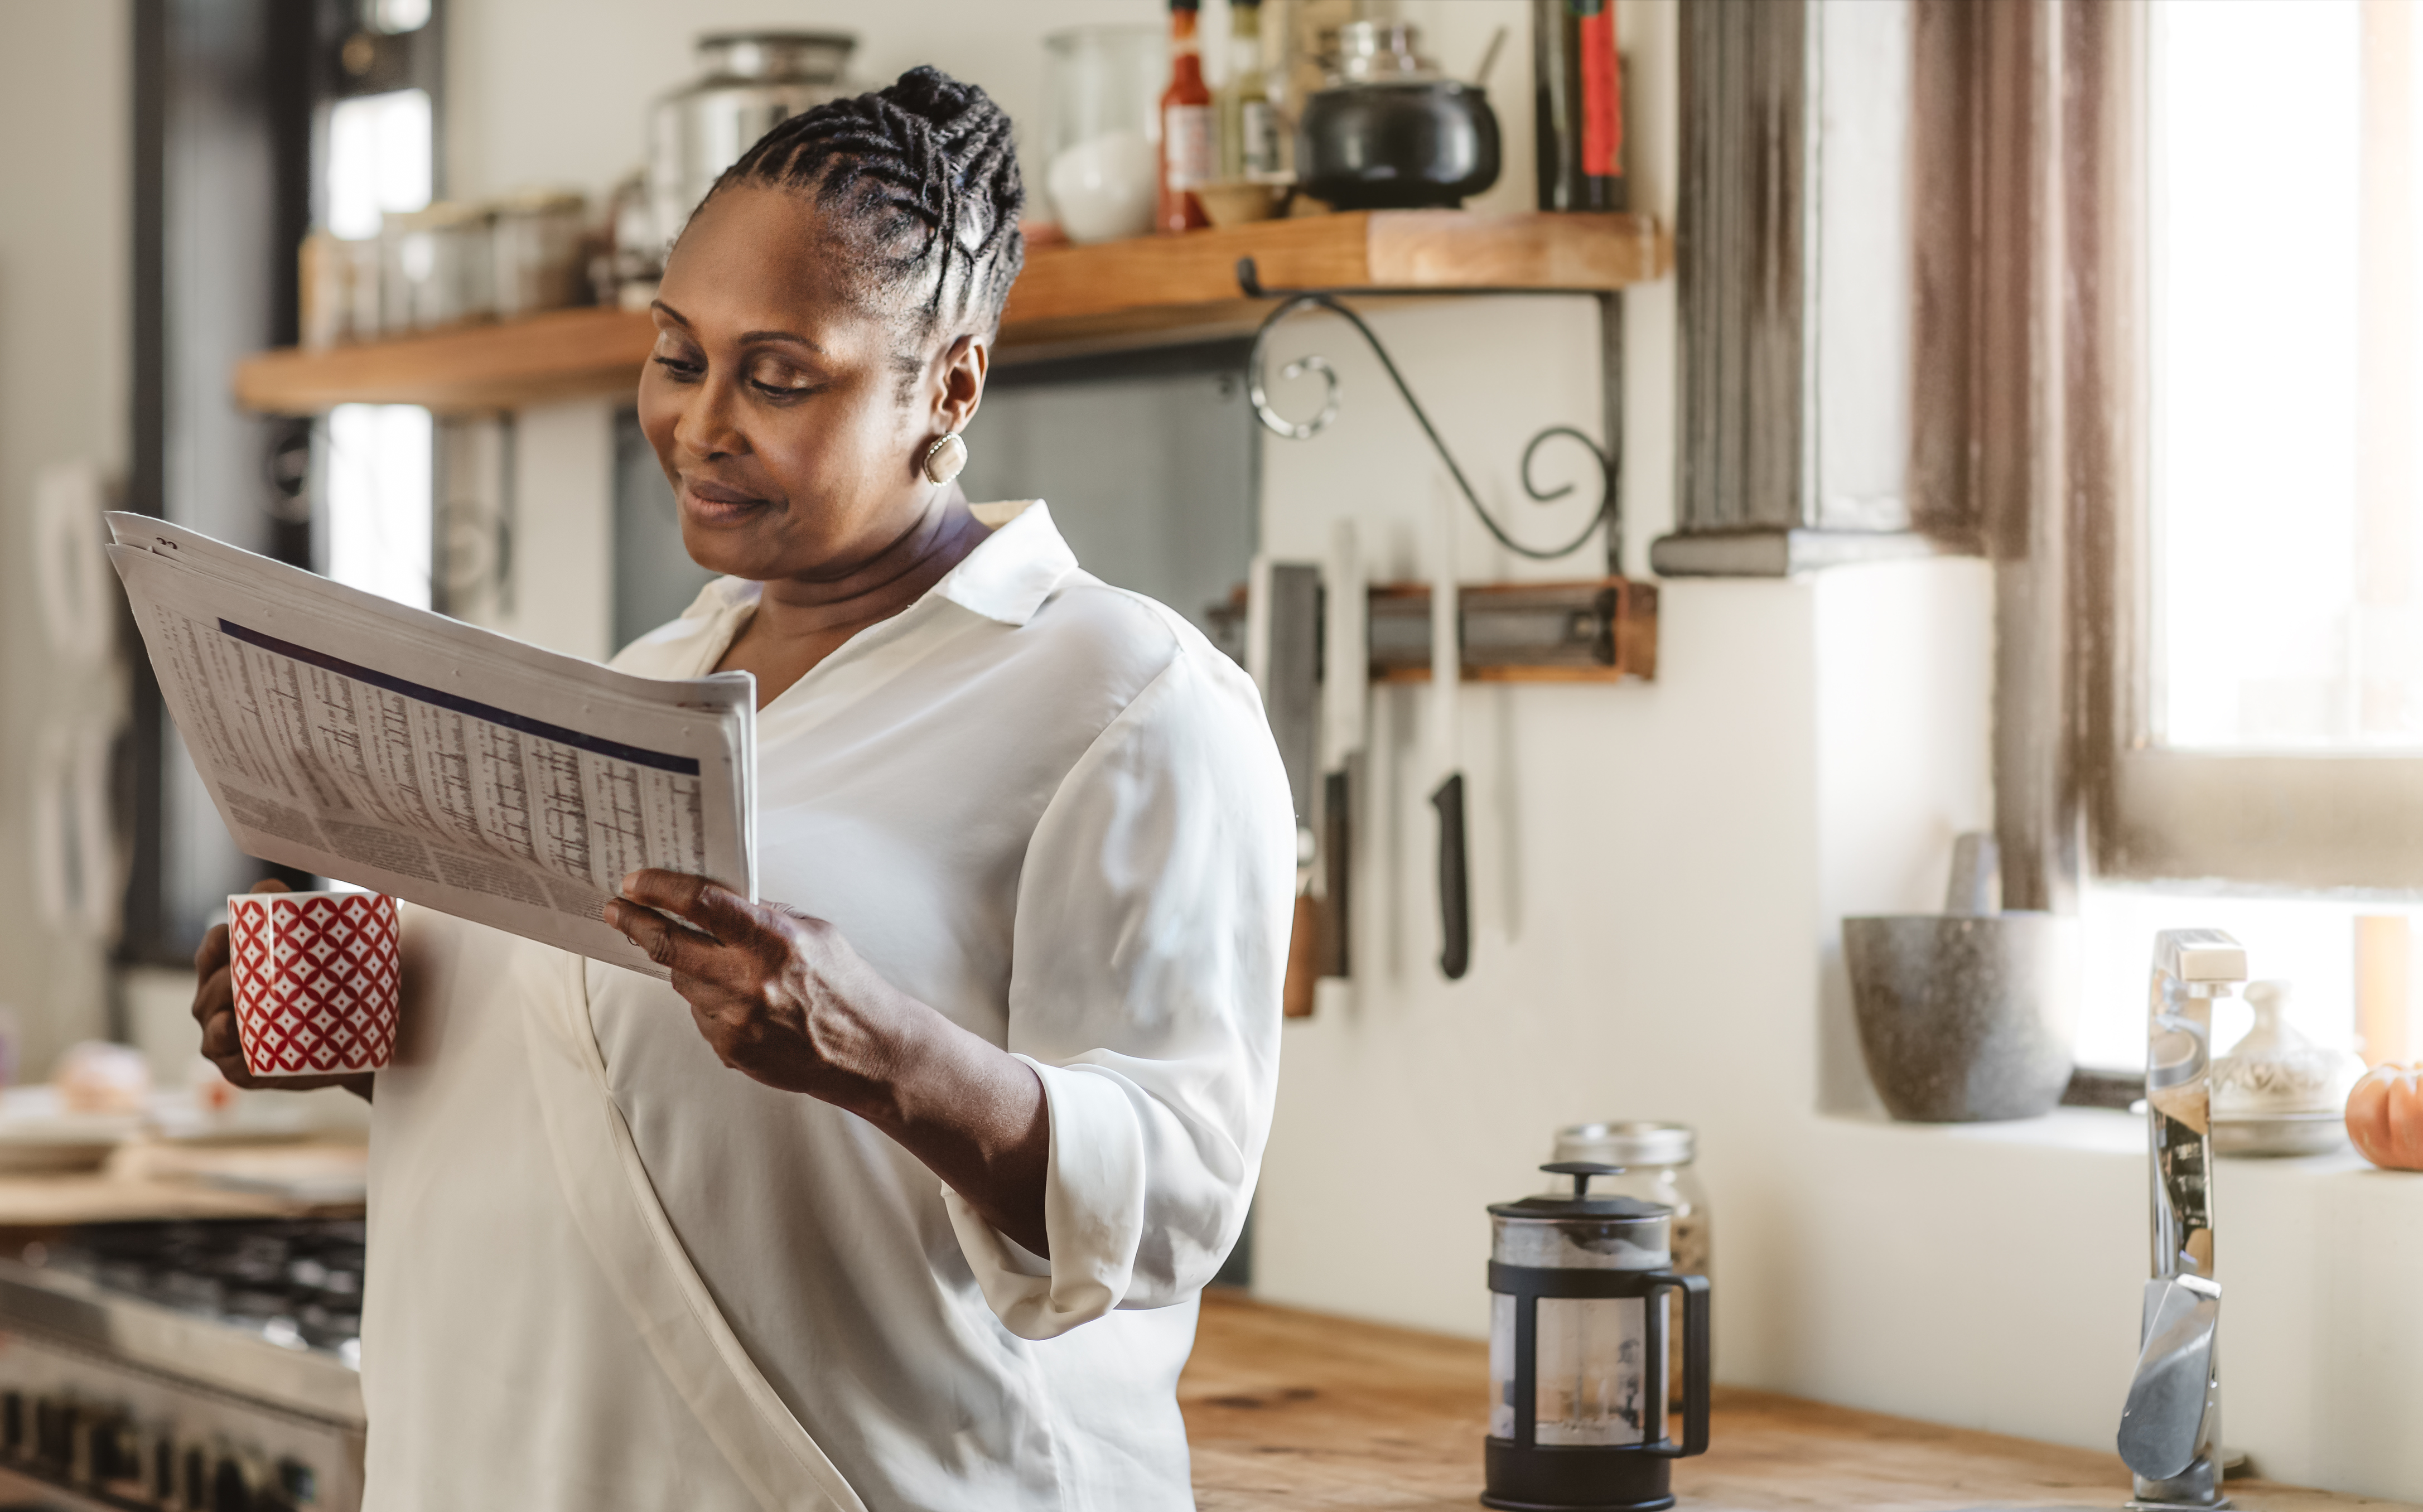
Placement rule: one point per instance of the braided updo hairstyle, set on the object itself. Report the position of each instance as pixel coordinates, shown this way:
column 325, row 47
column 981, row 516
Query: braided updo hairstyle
column 922, row 180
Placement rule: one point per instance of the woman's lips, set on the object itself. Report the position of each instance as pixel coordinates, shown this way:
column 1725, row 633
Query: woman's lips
column 716, row 504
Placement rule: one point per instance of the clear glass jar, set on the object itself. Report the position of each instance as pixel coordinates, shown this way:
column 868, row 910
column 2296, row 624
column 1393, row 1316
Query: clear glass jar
column 1101, row 128
column 536, row 241
column 1657, row 1161
column 436, row 267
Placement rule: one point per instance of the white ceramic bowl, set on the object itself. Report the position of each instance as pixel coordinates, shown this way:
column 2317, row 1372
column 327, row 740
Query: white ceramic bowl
column 2280, row 1134
column 1103, row 187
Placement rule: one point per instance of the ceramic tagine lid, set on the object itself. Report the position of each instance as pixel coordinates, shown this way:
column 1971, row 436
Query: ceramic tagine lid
column 2278, row 1092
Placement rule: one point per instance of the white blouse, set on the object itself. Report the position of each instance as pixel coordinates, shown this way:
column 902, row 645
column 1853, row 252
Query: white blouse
column 1047, row 808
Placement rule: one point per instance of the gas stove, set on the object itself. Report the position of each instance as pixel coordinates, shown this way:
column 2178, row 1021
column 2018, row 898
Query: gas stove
column 186, row 1367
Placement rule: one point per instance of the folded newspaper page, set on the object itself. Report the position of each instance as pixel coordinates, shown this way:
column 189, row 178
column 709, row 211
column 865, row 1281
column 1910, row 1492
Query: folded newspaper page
column 397, row 749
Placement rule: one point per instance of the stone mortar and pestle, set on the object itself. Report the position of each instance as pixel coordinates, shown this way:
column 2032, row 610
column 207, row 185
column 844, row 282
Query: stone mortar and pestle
column 1967, row 1015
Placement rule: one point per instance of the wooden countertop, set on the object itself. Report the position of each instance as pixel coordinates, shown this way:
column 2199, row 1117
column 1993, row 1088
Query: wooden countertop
column 147, row 1181
column 1306, row 1412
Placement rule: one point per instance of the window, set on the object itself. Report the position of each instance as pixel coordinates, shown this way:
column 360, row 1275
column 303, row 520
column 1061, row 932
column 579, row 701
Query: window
column 2285, row 557
column 377, row 516
column 2345, row 963
column 2253, row 759
column 2255, row 397
column 377, row 520
column 379, row 160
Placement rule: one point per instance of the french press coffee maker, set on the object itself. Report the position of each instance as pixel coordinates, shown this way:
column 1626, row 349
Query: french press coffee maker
column 1577, row 1319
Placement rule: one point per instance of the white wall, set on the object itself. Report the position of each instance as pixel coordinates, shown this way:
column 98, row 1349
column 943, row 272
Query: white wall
column 63, row 398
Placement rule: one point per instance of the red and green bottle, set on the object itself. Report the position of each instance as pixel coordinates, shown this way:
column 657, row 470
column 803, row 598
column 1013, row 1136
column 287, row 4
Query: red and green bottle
column 1579, row 79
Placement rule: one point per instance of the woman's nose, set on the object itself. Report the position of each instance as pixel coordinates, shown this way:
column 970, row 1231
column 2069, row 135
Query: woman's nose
column 708, row 427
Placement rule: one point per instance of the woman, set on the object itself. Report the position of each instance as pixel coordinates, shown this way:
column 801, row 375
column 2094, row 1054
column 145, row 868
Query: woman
column 1005, row 1052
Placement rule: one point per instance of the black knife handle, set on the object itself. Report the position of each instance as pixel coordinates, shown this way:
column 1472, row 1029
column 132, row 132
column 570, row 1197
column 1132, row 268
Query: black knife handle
column 1336, row 854
column 1455, row 898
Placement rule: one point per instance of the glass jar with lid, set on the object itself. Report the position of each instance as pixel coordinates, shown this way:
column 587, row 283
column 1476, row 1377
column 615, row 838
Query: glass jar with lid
column 1655, row 1161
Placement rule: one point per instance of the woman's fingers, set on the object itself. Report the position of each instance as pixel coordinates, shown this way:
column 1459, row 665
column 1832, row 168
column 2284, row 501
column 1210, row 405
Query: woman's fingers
column 752, row 974
column 221, row 1040
column 685, row 952
column 216, row 995
column 726, row 948
column 213, row 957
column 696, row 900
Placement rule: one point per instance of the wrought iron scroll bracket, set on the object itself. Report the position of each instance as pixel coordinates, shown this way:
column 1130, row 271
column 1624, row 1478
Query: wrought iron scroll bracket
column 1610, row 457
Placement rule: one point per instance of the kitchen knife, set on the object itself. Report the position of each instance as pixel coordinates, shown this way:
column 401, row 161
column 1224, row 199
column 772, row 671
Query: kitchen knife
column 1446, row 688
column 1283, row 657
column 1345, row 698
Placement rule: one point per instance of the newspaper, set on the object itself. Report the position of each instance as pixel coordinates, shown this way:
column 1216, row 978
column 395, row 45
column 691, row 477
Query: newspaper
column 397, row 749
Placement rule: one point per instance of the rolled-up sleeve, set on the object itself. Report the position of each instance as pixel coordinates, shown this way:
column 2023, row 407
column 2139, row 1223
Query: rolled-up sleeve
column 1153, row 910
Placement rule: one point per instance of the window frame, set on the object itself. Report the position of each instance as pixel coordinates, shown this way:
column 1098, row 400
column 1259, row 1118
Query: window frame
column 2055, row 120
column 2352, row 821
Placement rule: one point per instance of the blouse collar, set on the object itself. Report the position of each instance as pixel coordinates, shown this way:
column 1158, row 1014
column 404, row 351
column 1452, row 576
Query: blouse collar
column 1014, row 569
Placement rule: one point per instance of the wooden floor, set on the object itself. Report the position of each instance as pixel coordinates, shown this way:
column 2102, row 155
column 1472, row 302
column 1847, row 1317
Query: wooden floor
column 1301, row 1410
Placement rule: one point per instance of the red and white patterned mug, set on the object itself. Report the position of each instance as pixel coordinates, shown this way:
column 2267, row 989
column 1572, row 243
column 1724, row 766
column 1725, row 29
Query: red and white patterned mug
column 317, row 979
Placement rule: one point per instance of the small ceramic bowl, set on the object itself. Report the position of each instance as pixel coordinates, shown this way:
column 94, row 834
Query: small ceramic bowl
column 1241, row 201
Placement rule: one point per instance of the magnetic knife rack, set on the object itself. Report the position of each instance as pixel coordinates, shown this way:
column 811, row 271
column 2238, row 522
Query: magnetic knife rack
column 1603, row 630
column 1597, row 630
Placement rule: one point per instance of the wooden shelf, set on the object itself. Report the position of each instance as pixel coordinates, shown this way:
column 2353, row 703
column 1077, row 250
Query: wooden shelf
column 1151, row 287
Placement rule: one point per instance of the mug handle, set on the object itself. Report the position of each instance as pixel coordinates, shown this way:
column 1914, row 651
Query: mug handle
column 1695, row 1360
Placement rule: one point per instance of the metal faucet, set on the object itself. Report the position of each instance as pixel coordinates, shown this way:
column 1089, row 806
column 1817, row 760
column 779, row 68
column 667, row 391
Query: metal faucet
column 2170, row 1430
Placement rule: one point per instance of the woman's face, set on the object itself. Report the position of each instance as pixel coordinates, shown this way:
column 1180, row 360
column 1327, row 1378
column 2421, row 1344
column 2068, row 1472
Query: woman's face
column 774, row 401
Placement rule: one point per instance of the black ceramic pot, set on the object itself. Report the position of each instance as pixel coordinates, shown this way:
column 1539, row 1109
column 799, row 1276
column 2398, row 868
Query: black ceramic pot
column 1399, row 144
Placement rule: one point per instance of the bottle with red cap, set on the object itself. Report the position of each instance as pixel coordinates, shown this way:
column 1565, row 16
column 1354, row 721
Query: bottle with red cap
column 1190, row 133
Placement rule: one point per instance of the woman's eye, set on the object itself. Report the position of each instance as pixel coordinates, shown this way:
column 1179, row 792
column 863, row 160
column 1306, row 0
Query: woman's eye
column 781, row 381
column 678, row 365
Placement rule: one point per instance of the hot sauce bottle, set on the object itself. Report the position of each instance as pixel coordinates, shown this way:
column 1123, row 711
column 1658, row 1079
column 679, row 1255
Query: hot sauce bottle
column 1190, row 138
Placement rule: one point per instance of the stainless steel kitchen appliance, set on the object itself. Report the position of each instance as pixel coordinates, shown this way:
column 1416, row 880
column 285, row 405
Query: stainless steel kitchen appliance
column 2170, row 1428
column 748, row 82
column 1577, row 1321
column 187, row 1366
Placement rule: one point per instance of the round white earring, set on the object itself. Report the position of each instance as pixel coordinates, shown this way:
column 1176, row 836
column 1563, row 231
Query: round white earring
column 945, row 459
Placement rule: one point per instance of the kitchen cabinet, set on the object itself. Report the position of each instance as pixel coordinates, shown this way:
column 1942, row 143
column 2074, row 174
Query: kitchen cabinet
column 1313, row 1412
column 1069, row 298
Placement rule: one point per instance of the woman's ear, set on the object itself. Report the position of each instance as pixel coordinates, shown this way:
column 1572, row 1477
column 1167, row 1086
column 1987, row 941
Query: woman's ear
column 964, row 362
